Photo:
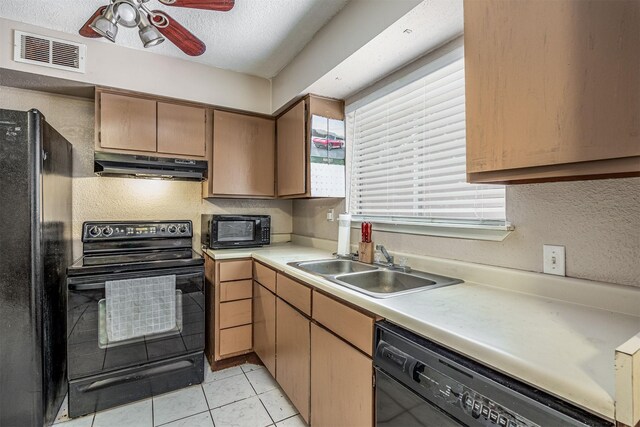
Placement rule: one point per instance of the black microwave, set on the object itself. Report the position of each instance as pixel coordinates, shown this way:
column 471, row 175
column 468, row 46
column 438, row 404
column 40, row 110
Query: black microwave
column 235, row 231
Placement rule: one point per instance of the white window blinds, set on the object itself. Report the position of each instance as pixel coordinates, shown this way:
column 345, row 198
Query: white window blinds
column 407, row 159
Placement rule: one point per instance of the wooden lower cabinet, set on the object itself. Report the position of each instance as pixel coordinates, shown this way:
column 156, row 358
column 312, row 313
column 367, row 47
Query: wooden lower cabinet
column 264, row 326
column 228, row 311
column 234, row 341
column 342, row 391
column 293, row 349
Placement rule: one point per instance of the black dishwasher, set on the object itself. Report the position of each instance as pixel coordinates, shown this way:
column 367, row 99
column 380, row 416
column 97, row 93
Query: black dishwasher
column 420, row 383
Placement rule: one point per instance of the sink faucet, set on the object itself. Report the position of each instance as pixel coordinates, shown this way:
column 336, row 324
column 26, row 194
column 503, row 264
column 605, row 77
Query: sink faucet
column 390, row 264
column 388, row 257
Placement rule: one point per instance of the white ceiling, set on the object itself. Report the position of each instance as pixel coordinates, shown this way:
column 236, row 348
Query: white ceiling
column 427, row 26
column 257, row 37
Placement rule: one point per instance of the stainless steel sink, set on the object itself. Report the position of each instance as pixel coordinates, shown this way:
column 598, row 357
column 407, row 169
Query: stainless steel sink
column 376, row 281
column 331, row 267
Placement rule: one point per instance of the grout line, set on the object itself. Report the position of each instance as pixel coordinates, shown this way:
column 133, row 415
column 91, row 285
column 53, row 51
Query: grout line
column 267, row 411
column 207, row 400
column 205, row 397
column 252, row 387
column 292, row 416
column 182, row 418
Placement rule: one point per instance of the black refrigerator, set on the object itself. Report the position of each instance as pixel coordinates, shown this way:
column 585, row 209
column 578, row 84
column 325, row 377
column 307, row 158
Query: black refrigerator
column 35, row 250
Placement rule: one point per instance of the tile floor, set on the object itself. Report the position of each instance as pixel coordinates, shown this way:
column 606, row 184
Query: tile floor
column 242, row 396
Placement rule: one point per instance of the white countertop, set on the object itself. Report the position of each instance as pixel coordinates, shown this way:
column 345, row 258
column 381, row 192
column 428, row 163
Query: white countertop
column 564, row 348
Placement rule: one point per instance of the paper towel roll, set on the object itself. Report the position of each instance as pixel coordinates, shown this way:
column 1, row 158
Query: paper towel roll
column 344, row 234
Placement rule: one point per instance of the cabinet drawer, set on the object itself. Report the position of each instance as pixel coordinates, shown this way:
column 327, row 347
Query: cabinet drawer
column 232, row 291
column 265, row 276
column 235, row 313
column 235, row 340
column 295, row 293
column 355, row 327
column 235, row 270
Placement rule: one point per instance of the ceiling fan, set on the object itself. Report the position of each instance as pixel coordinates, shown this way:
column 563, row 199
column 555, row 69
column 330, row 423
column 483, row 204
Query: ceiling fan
column 153, row 25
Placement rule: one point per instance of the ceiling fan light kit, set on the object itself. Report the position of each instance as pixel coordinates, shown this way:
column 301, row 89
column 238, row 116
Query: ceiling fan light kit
column 153, row 26
column 106, row 24
column 149, row 35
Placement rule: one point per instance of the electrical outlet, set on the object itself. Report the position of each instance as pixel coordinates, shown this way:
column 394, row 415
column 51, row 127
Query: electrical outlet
column 554, row 260
column 330, row 216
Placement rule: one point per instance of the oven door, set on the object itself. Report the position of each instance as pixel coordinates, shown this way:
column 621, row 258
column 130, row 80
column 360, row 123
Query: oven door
column 89, row 352
column 396, row 405
column 236, row 232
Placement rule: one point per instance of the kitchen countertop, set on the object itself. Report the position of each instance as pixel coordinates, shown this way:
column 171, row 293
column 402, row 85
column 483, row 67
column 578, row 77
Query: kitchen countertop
column 559, row 346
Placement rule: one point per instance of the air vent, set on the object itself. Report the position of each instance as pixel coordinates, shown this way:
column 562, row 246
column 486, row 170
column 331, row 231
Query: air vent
column 49, row 52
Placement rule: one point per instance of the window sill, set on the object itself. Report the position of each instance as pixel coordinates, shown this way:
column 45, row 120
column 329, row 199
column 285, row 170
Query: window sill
column 493, row 233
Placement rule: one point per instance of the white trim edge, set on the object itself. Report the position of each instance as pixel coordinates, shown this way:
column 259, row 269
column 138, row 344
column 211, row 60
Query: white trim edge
column 494, row 233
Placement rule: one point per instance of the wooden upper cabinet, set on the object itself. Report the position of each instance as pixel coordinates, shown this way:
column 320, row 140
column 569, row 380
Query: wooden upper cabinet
column 142, row 125
column 127, row 123
column 181, row 130
column 292, row 170
column 552, row 89
column 243, row 163
column 296, row 178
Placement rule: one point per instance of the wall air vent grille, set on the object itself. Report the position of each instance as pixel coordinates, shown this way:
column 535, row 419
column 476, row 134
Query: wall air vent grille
column 49, row 52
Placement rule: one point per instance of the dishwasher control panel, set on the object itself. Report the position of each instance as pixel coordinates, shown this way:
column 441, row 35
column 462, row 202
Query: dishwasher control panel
column 448, row 391
column 465, row 391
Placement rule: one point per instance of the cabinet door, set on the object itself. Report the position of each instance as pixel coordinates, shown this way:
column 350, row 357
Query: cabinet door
column 293, row 348
column 181, row 130
column 243, row 155
column 127, row 123
column 292, row 159
column 551, row 83
column 341, row 383
column 264, row 326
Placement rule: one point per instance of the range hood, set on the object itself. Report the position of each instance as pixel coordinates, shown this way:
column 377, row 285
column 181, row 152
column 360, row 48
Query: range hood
column 134, row 166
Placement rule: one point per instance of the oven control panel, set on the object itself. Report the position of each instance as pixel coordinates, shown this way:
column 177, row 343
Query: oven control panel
column 94, row 231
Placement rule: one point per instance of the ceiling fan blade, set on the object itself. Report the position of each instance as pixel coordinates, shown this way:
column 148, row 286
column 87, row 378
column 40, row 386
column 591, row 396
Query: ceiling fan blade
column 86, row 30
column 177, row 34
column 219, row 5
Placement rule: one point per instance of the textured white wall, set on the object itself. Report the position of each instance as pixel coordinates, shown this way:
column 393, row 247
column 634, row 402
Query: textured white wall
column 113, row 66
column 97, row 198
column 353, row 27
column 598, row 222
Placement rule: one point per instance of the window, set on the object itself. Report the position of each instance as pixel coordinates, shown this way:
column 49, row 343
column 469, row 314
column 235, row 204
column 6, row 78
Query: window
column 407, row 152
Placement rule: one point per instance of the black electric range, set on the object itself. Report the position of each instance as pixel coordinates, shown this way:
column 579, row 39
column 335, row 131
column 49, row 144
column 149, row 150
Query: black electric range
column 104, row 372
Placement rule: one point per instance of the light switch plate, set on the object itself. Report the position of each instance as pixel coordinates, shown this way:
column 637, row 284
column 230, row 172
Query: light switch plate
column 554, row 260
